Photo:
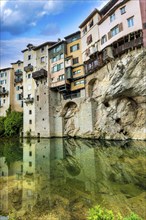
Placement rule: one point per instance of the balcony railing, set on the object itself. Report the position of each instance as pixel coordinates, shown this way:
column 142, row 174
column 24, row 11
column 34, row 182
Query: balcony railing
column 128, row 45
column 18, row 73
column 39, row 74
column 18, row 80
column 28, row 100
column 28, row 68
column 92, row 66
column 3, row 92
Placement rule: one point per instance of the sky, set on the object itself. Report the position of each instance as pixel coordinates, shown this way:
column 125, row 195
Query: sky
column 37, row 21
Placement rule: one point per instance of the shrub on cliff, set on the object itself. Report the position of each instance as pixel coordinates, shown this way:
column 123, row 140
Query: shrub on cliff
column 2, row 127
column 13, row 123
column 98, row 213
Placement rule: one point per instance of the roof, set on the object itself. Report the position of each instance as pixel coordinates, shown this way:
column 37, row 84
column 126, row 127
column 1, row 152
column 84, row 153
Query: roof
column 58, row 43
column 19, row 61
column 8, row 68
column 89, row 17
column 71, row 35
column 108, row 6
column 50, row 43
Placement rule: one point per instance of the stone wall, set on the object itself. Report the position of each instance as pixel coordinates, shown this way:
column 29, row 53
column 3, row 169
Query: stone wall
column 114, row 106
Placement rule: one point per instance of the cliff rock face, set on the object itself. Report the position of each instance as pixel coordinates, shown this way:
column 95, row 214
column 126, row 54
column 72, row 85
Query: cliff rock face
column 118, row 92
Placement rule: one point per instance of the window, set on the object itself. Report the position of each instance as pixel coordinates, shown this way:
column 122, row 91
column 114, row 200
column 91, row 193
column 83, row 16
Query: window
column 58, row 57
column 75, row 60
column 30, row 122
column 57, row 49
column 30, row 153
column 79, row 82
column 4, row 100
column 29, row 57
column 42, row 49
column 76, row 72
column 18, row 96
column 112, row 17
column 17, row 88
column 61, row 77
column 122, row 10
column 42, row 59
column 29, row 76
column 89, row 39
column 115, row 31
column 61, row 56
column 130, row 22
column 85, row 30
column 30, row 164
column 21, row 104
column 54, row 69
column 30, row 112
column 74, row 48
column 91, row 24
column 37, row 97
column 103, row 39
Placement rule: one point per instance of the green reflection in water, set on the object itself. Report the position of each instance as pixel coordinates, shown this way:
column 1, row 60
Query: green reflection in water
column 63, row 178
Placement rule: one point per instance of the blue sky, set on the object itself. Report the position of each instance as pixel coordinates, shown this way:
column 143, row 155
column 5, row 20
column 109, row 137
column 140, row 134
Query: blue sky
column 28, row 21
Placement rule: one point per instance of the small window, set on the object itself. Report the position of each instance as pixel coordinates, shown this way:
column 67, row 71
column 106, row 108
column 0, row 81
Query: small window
column 29, row 76
column 29, row 57
column 37, row 97
column 103, row 39
column 42, row 49
column 89, row 39
column 75, row 60
column 91, row 24
column 30, row 153
column 30, row 122
column 115, row 31
column 85, row 30
column 4, row 100
column 30, row 112
column 76, row 72
column 30, row 164
column 112, row 17
column 42, row 59
column 74, row 47
column 130, row 22
column 123, row 10
column 61, row 77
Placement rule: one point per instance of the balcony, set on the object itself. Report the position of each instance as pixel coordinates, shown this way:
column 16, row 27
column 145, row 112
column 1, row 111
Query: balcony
column 128, row 45
column 92, row 66
column 68, row 72
column 108, row 53
column 29, row 100
column 18, row 80
column 18, row 73
column 28, row 68
column 39, row 74
column 3, row 91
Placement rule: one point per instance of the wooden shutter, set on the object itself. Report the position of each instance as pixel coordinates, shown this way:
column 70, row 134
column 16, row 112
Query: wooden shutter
column 120, row 27
column 109, row 35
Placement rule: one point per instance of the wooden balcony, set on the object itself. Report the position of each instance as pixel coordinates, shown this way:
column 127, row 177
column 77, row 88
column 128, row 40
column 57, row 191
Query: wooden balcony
column 18, row 73
column 28, row 68
column 39, row 74
column 3, row 92
column 18, row 80
column 128, row 45
column 91, row 66
column 28, row 100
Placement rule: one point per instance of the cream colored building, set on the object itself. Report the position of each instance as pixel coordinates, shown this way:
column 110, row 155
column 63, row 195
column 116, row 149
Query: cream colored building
column 17, row 104
column 6, row 89
column 35, row 82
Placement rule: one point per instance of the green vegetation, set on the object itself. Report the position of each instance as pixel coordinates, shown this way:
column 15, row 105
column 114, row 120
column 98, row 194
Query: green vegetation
column 11, row 125
column 98, row 213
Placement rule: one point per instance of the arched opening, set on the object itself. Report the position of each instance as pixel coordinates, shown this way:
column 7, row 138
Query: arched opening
column 91, row 87
column 69, row 114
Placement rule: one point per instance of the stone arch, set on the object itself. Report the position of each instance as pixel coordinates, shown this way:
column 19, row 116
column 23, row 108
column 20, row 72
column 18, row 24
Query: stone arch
column 69, row 114
column 91, row 85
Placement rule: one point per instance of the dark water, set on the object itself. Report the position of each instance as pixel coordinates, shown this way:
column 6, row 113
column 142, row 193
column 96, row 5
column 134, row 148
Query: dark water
column 60, row 179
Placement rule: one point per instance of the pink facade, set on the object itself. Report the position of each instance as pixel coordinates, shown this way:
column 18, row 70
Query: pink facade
column 143, row 16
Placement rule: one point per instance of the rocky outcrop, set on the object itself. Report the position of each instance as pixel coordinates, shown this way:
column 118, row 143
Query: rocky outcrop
column 118, row 94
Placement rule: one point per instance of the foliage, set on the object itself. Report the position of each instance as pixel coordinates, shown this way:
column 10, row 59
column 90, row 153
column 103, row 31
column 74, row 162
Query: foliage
column 98, row 213
column 8, row 112
column 2, row 127
column 13, row 123
column 133, row 216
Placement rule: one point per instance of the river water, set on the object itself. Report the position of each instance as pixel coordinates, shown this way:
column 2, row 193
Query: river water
column 60, row 179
